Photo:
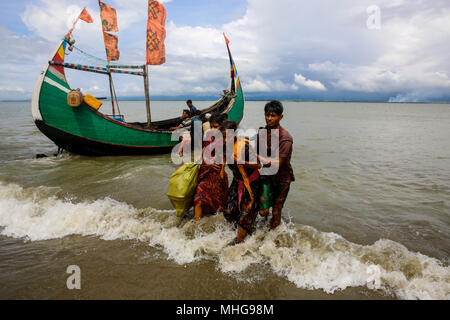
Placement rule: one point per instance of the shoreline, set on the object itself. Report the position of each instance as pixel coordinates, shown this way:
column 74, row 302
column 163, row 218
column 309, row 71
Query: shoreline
column 258, row 100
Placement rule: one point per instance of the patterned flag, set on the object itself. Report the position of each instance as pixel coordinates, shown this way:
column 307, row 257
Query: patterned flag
column 85, row 16
column 109, row 23
column 156, row 33
column 111, row 46
column 109, row 17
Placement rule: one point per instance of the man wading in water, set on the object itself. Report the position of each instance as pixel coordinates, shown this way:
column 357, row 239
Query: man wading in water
column 275, row 183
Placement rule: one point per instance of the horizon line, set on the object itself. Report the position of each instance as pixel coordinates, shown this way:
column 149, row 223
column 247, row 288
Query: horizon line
column 162, row 98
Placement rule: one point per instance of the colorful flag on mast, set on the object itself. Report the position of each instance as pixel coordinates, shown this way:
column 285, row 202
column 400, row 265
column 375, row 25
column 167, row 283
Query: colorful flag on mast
column 109, row 24
column 111, row 46
column 226, row 39
column 109, row 17
column 156, row 33
column 236, row 83
column 86, row 16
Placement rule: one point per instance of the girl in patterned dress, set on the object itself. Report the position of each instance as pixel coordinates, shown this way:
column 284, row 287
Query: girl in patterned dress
column 212, row 185
column 242, row 202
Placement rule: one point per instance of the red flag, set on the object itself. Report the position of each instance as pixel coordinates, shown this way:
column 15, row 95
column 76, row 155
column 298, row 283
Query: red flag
column 111, row 46
column 226, row 39
column 156, row 33
column 85, row 16
column 109, row 17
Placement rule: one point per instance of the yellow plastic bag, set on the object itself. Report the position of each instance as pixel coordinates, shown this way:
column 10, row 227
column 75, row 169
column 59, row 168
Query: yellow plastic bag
column 182, row 185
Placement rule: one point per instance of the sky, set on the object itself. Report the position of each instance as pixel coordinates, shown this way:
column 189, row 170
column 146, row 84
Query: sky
column 365, row 50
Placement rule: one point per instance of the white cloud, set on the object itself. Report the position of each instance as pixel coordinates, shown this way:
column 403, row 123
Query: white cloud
column 257, row 86
column 21, row 59
column 198, row 42
column 327, row 41
column 261, row 85
column 409, row 53
column 412, row 60
column 310, row 84
column 206, row 90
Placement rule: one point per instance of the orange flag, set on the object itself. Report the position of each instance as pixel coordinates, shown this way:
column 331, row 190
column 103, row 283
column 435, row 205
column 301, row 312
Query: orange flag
column 111, row 46
column 109, row 23
column 226, row 39
column 109, row 17
column 85, row 16
column 156, row 33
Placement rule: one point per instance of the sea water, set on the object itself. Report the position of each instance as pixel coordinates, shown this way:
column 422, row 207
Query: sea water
column 367, row 217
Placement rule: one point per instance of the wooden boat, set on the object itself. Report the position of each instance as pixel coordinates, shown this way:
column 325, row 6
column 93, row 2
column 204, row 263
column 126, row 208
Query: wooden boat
column 87, row 131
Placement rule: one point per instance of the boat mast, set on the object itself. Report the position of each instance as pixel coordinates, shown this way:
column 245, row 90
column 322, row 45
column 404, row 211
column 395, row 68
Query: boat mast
column 107, row 67
column 147, row 95
column 111, row 92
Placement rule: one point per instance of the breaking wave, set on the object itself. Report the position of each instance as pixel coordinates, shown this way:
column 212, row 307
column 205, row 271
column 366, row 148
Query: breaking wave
column 305, row 256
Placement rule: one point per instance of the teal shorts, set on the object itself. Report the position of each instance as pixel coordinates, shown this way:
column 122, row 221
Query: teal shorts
column 273, row 194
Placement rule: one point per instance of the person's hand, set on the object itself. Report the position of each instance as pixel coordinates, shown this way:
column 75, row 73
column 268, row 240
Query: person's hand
column 216, row 166
column 265, row 161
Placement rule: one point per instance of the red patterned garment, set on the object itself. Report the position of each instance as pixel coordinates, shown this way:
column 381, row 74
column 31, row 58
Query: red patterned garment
column 211, row 189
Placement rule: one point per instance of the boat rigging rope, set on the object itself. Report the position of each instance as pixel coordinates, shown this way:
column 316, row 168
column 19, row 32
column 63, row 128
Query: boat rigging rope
column 115, row 97
column 104, row 62
column 83, row 55
column 100, row 60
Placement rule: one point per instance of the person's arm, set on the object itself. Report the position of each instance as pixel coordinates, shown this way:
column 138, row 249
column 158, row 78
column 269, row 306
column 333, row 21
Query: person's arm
column 250, row 165
column 177, row 127
column 253, row 165
column 283, row 154
column 265, row 160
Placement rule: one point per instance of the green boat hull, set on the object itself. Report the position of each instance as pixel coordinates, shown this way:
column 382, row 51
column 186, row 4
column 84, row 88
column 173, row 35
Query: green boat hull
column 84, row 130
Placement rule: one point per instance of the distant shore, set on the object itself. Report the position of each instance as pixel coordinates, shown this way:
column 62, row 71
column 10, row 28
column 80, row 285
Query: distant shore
column 250, row 99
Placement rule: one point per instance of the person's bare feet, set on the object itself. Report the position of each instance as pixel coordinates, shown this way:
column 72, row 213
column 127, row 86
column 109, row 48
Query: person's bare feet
column 241, row 235
column 265, row 212
column 276, row 218
column 198, row 212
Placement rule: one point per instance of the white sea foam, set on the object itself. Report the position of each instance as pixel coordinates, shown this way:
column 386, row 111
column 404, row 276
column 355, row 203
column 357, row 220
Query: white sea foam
column 305, row 256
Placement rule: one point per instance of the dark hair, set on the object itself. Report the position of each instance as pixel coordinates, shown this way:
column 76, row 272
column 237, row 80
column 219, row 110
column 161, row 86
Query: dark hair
column 228, row 125
column 189, row 101
column 225, row 116
column 216, row 117
column 187, row 111
column 274, row 106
